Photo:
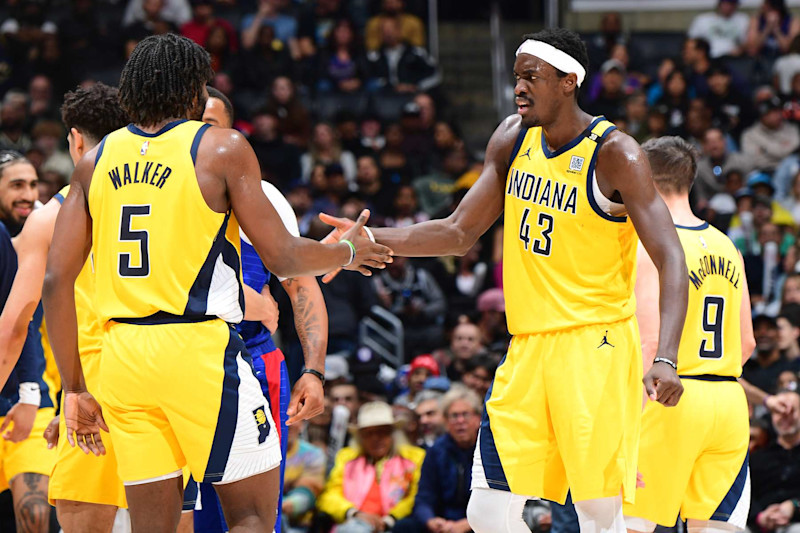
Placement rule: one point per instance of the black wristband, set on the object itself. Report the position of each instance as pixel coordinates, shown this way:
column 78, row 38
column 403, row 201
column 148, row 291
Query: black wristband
column 317, row 373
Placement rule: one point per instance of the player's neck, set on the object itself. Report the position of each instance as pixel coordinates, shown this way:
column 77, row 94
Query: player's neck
column 681, row 211
column 158, row 126
column 569, row 125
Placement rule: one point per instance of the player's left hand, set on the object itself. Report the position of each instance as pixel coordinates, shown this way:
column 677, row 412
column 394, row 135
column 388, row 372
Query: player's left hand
column 84, row 420
column 340, row 225
column 51, row 433
column 663, row 385
column 23, row 416
column 308, row 399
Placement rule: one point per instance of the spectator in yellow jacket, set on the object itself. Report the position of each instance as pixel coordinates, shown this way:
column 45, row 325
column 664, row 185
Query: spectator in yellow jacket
column 373, row 483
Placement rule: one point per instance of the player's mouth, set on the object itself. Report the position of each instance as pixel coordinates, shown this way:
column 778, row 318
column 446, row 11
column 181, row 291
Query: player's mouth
column 522, row 106
column 23, row 209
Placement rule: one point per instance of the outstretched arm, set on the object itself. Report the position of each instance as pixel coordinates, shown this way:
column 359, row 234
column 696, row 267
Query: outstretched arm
column 227, row 154
column 475, row 214
column 623, row 166
column 31, row 246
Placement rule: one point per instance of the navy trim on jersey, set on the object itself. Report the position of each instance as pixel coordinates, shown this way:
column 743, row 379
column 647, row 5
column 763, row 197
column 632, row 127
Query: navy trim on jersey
column 59, row 197
column 704, row 225
column 228, row 410
column 728, row 504
column 136, row 131
column 190, row 495
column 572, row 144
column 490, row 459
column 100, row 150
column 162, row 317
column 517, row 145
column 196, row 141
column 198, row 294
column 590, row 175
column 709, row 377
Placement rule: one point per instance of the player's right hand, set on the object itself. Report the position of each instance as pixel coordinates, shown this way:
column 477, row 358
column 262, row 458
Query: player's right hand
column 84, row 420
column 271, row 322
column 663, row 385
column 21, row 417
column 368, row 254
column 340, row 225
column 51, row 433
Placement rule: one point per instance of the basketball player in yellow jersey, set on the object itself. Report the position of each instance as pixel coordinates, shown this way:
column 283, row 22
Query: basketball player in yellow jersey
column 156, row 202
column 700, row 469
column 564, row 409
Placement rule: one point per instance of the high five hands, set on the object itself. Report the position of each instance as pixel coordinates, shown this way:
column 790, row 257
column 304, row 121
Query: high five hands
column 368, row 254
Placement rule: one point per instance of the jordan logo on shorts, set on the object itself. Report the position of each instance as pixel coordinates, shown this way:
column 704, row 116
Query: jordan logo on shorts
column 262, row 423
column 605, row 341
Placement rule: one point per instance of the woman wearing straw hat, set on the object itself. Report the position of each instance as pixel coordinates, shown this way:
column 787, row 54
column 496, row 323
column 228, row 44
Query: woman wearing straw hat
column 373, row 482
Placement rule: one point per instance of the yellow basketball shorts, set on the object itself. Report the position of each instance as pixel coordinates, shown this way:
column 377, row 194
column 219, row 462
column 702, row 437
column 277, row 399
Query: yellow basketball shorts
column 693, row 457
column 177, row 394
column 81, row 477
column 29, row 456
column 563, row 414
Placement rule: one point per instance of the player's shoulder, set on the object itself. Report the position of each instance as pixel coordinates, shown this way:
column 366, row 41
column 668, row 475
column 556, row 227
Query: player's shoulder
column 505, row 135
column 619, row 142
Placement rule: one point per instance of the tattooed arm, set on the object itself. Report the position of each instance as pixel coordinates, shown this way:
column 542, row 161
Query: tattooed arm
column 311, row 322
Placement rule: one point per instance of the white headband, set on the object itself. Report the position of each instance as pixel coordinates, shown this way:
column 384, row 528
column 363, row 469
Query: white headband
column 560, row 60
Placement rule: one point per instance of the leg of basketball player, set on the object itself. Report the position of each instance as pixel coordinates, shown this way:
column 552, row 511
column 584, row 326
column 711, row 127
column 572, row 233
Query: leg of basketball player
column 155, row 507
column 493, row 510
column 29, row 492
column 251, row 505
column 186, row 523
column 82, row 517
column 710, row 526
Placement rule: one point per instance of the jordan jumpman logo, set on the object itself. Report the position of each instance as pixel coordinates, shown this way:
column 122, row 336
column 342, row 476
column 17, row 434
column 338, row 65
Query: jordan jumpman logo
column 605, row 341
column 527, row 154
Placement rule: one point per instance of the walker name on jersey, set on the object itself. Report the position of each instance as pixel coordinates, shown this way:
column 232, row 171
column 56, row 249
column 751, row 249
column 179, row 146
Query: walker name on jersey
column 152, row 173
column 711, row 265
column 542, row 191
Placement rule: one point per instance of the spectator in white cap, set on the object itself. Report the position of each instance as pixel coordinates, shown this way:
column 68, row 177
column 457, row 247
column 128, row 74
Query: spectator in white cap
column 374, row 482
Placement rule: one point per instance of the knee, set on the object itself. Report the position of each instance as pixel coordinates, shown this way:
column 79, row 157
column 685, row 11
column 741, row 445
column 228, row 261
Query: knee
column 496, row 511
column 479, row 520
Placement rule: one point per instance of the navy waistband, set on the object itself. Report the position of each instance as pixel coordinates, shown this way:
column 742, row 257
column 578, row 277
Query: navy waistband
column 710, row 377
column 165, row 318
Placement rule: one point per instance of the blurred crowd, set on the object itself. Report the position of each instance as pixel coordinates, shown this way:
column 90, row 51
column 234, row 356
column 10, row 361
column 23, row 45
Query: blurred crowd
column 341, row 103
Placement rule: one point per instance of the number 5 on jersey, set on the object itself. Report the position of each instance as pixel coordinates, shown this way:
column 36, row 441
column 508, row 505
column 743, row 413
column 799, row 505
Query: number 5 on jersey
column 540, row 246
column 126, row 234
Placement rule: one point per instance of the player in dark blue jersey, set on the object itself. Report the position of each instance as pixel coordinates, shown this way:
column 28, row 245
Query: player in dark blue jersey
column 311, row 321
column 26, row 406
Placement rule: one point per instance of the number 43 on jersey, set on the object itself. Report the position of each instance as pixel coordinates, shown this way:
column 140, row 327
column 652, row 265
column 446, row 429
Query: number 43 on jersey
column 544, row 223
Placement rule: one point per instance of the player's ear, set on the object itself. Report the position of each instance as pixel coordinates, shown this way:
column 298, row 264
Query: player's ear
column 569, row 83
column 78, row 142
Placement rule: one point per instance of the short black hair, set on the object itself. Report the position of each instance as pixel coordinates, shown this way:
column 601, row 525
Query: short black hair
column 702, row 45
column 565, row 40
column 481, row 360
column 94, row 111
column 219, row 95
column 673, row 162
column 163, row 79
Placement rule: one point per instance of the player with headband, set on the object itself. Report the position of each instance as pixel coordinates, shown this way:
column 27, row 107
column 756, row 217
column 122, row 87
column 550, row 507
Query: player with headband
column 564, row 410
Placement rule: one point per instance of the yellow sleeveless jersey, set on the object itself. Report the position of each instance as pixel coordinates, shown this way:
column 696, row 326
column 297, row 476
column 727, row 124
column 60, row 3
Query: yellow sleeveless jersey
column 90, row 331
column 711, row 342
column 566, row 262
column 159, row 250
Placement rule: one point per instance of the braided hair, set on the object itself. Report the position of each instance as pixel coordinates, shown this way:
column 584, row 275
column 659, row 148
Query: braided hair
column 164, row 78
